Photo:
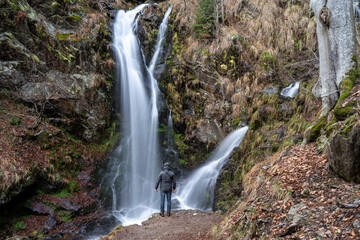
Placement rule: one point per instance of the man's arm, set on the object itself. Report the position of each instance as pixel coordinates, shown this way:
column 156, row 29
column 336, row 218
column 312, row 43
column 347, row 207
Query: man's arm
column 157, row 182
column 174, row 183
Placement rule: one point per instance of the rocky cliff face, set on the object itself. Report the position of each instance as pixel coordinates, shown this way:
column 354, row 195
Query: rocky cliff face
column 215, row 83
column 55, row 83
column 53, row 56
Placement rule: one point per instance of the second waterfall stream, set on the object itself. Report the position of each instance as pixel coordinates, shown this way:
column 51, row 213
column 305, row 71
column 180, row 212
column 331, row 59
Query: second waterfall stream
column 197, row 191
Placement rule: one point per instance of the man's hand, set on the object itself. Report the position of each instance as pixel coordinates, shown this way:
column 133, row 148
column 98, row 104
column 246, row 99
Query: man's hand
column 173, row 190
column 155, row 190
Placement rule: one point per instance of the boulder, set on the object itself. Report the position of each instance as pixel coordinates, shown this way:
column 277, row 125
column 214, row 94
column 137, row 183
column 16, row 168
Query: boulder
column 344, row 154
column 9, row 76
column 207, row 131
column 50, row 223
column 41, row 209
column 77, row 96
column 68, row 205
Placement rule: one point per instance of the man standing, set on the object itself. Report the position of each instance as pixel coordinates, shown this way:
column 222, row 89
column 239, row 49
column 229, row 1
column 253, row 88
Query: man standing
column 167, row 183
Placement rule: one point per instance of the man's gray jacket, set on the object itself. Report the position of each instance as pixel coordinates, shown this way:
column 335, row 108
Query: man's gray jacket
column 166, row 180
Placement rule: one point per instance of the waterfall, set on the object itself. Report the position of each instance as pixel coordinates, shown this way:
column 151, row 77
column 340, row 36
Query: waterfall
column 170, row 151
column 170, row 134
column 134, row 165
column 291, row 90
column 198, row 189
column 160, row 39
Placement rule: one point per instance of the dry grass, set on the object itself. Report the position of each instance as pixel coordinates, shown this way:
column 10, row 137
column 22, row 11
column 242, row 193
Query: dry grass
column 282, row 30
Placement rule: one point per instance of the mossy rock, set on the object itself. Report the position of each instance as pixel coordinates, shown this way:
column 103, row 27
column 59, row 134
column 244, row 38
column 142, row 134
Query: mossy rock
column 344, row 152
column 255, row 121
column 346, row 110
column 314, row 131
column 343, row 110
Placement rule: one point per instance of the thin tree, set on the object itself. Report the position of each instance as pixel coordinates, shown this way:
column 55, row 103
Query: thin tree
column 337, row 46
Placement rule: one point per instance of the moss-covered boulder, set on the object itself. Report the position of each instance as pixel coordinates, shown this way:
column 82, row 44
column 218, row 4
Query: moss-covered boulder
column 344, row 153
column 77, row 97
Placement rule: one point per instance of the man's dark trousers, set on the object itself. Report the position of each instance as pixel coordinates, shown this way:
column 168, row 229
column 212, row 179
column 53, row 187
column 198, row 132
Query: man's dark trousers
column 162, row 202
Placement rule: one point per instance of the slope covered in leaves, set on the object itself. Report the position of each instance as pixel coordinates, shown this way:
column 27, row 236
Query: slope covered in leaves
column 294, row 195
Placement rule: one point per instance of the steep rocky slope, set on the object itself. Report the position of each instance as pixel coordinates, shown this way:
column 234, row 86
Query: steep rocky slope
column 216, row 83
column 56, row 81
column 294, row 195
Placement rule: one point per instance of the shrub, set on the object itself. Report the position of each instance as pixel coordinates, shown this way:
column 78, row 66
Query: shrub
column 19, row 226
column 204, row 19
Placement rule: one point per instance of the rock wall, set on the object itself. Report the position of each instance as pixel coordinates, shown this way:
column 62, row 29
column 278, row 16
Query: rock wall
column 56, row 78
column 344, row 154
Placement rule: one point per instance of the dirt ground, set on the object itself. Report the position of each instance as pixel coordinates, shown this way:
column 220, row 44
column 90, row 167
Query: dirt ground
column 181, row 225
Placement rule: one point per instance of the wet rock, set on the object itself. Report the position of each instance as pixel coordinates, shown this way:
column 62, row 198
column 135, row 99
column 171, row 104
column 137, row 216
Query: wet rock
column 344, row 154
column 68, row 205
column 41, row 209
column 50, row 223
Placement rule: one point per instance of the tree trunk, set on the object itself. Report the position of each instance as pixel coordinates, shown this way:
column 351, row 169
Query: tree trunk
column 222, row 11
column 336, row 38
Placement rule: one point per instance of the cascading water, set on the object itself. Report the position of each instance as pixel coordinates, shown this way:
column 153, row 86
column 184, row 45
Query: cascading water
column 291, row 90
column 134, row 165
column 170, row 150
column 160, row 40
column 197, row 192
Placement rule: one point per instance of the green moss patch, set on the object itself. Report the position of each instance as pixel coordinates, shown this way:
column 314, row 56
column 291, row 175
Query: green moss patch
column 316, row 128
column 343, row 110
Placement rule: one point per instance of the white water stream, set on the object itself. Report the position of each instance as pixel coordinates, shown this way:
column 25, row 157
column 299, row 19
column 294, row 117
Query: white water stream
column 197, row 192
column 291, row 90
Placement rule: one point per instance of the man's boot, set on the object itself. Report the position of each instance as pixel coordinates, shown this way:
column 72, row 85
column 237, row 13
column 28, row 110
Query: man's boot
column 162, row 214
column 169, row 214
